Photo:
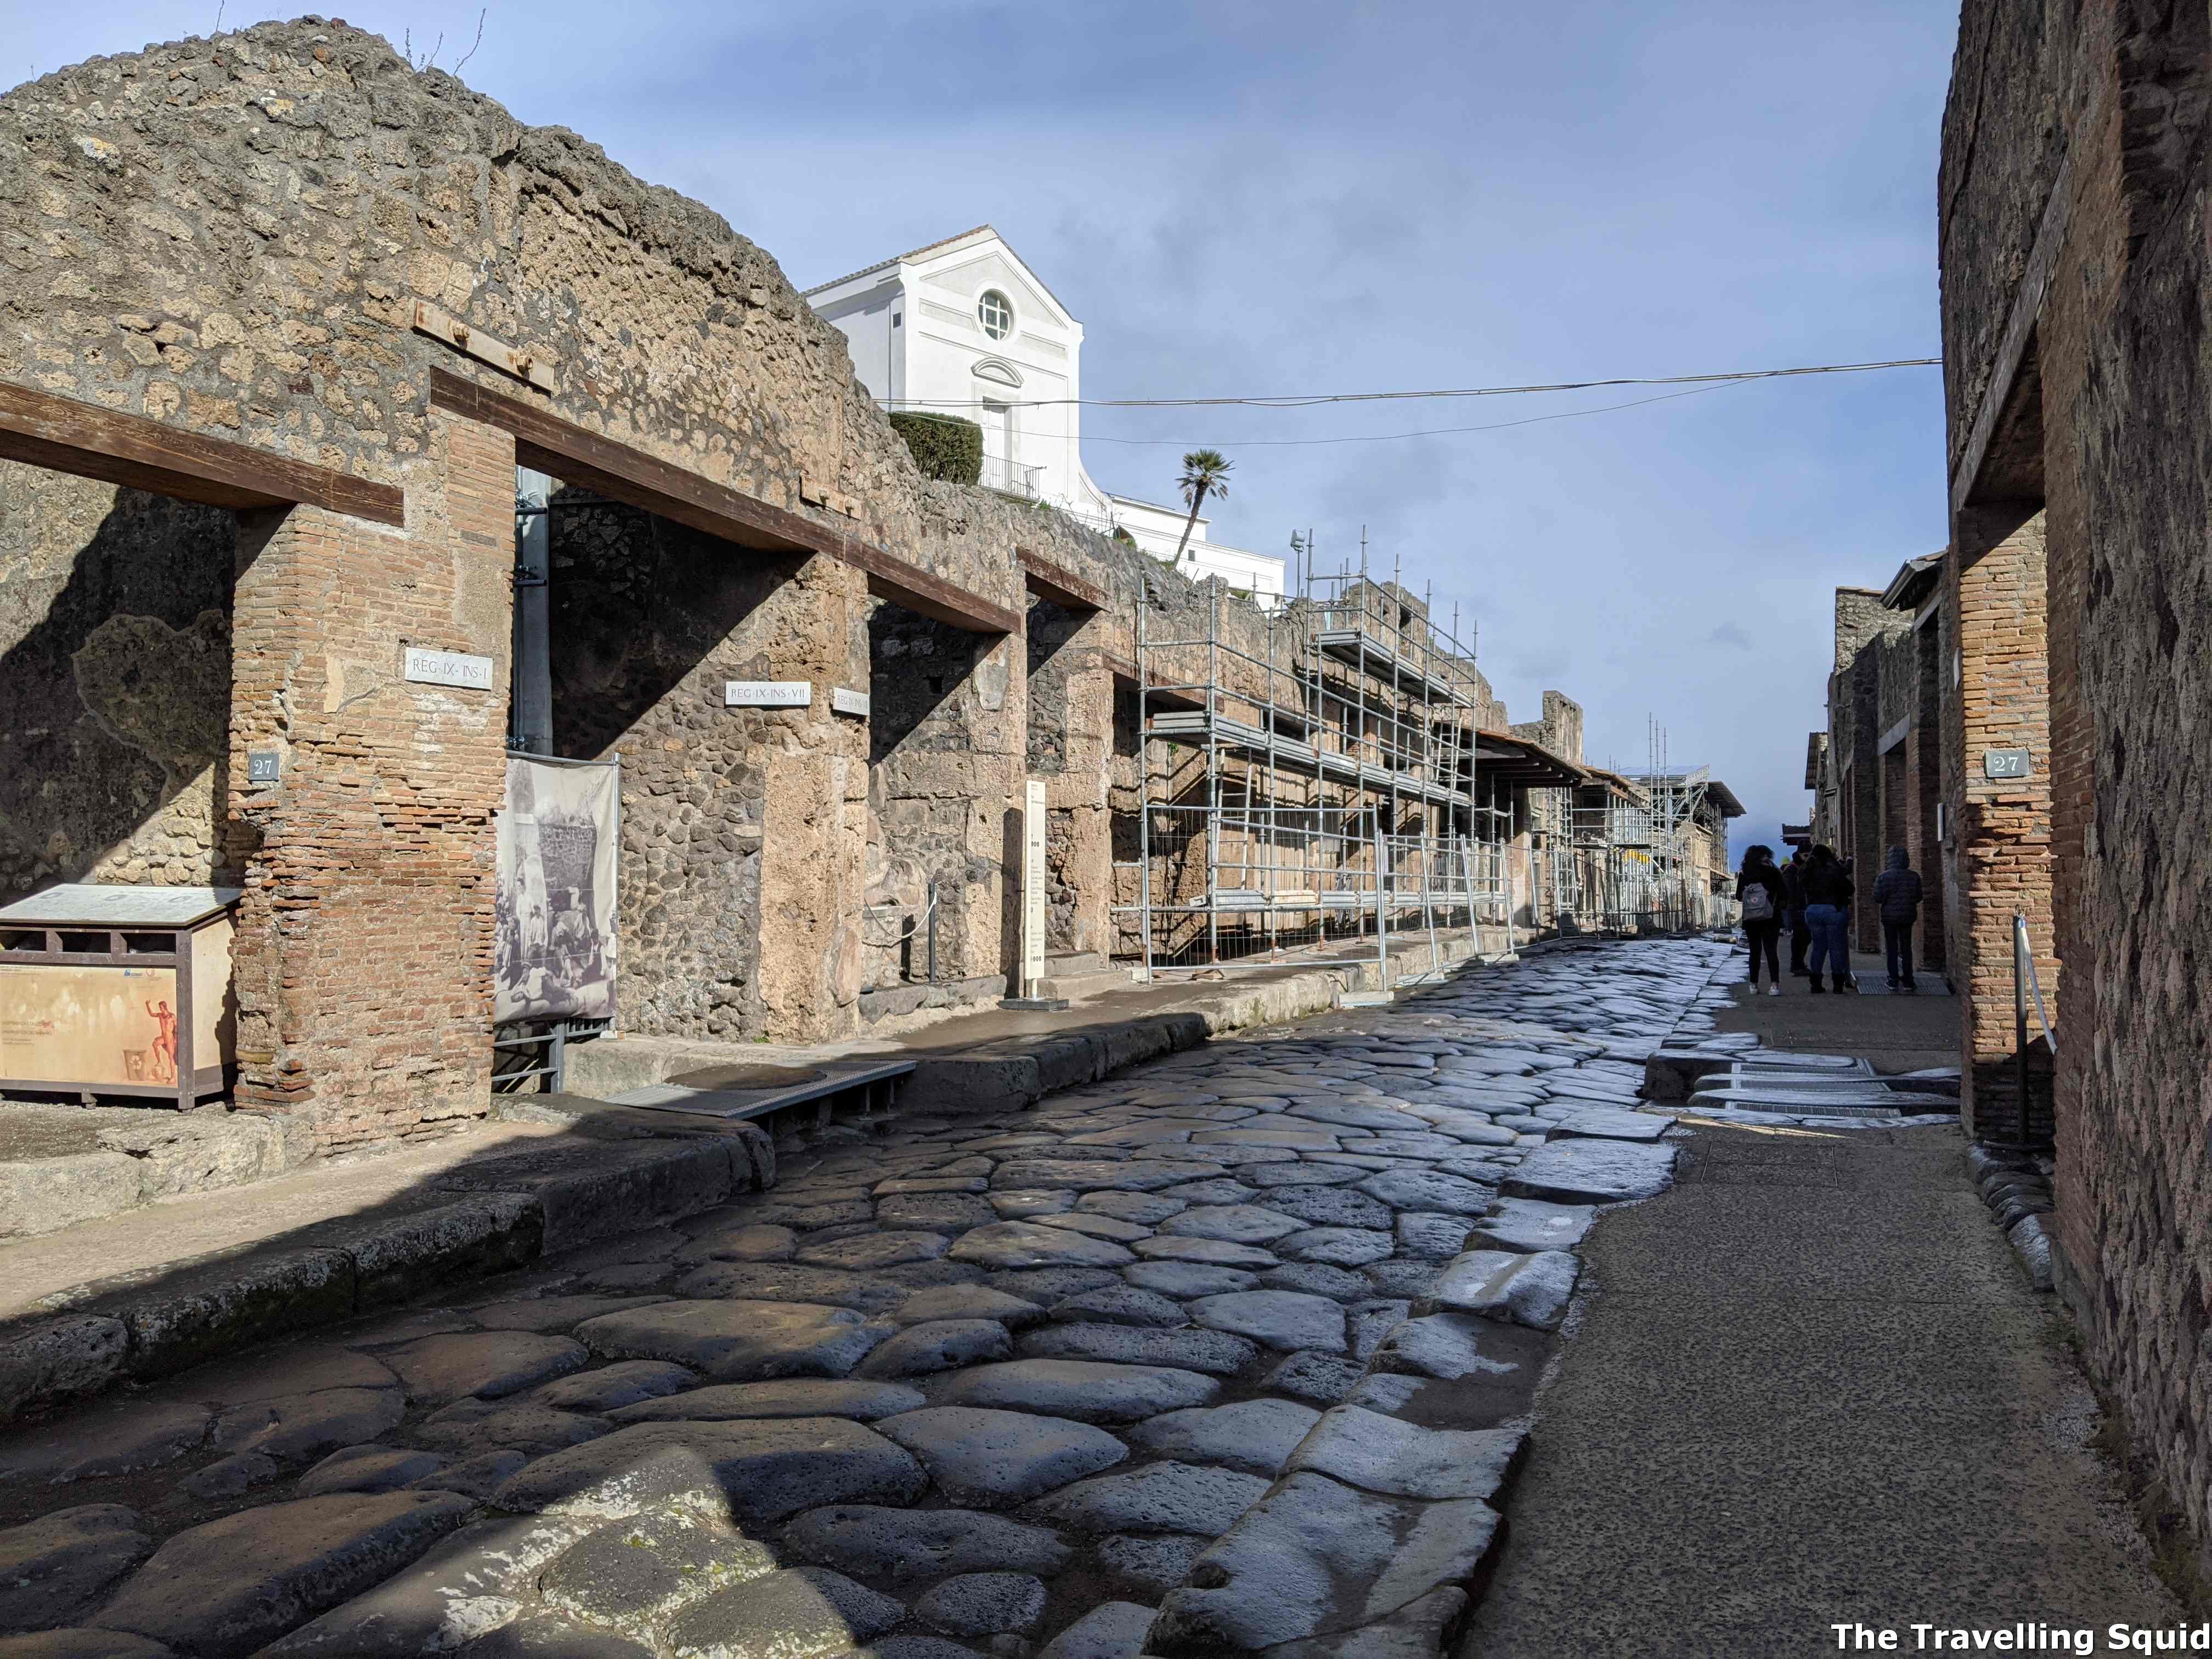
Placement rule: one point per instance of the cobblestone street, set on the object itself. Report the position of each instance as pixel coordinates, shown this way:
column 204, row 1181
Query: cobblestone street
column 1229, row 1353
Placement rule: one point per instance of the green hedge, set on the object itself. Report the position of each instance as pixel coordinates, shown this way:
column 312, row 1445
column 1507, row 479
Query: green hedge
column 945, row 445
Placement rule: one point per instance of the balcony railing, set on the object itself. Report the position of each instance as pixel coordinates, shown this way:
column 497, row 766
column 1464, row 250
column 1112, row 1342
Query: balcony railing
column 1011, row 476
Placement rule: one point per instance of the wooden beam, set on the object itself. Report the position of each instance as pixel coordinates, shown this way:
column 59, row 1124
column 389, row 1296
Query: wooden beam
column 1059, row 584
column 41, row 428
column 622, row 472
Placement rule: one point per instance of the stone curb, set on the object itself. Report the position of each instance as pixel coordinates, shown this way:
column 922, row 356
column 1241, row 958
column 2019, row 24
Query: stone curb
column 491, row 1218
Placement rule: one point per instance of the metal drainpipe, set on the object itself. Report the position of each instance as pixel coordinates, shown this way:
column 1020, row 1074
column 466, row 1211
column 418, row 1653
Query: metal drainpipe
column 530, row 724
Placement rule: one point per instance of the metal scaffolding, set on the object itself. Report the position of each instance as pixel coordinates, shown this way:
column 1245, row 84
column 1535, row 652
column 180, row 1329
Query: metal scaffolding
column 1303, row 782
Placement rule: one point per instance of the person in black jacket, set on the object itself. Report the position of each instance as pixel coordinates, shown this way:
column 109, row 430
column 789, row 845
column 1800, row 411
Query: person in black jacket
column 1828, row 893
column 1793, row 910
column 1759, row 890
column 1897, row 895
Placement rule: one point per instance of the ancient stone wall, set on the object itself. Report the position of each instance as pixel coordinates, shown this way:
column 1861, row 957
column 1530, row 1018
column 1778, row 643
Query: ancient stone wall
column 114, row 684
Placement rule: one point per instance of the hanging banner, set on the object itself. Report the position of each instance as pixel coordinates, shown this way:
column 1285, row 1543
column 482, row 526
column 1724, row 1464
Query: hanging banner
column 557, row 841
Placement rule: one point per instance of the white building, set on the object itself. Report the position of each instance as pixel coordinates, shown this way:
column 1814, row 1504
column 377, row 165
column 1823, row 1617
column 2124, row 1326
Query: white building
column 964, row 327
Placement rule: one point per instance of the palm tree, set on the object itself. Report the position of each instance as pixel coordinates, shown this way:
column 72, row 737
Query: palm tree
column 1204, row 472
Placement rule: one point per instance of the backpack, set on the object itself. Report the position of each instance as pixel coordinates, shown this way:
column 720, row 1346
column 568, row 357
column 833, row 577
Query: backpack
column 1757, row 904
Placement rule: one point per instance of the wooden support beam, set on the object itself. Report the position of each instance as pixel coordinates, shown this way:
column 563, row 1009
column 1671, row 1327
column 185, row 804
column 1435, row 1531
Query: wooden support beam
column 43, row 429
column 621, row 472
column 1059, row 584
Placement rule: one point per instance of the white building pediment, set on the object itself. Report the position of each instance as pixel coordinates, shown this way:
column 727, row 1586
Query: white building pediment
column 969, row 278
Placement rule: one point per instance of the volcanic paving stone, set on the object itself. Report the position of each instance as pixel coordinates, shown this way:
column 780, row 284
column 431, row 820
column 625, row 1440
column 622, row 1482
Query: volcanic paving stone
column 635, row 1572
column 1187, row 1279
column 107, row 1440
column 1220, row 1190
column 1146, row 1209
column 472, row 1424
column 551, row 1312
column 1047, row 1286
column 1086, row 1176
column 1112, row 1630
column 1330, row 1207
column 983, row 1604
column 438, row 1369
column 1087, row 1392
column 995, row 1459
column 1019, row 1204
column 764, row 1469
column 1319, row 1378
column 1426, row 1189
column 767, row 1281
column 751, row 1242
column 1255, row 1436
column 1436, row 1237
column 940, row 1346
column 740, row 1341
column 231, row 1585
column 1208, row 1252
column 1280, row 1319
column 1531, row 1289
column 1340, row 1247
column 612, row 1386
column 1213, row 1352
column 865, row 1252
column 1158, row 1497
column 794, row 1397
column 298, row 1426
column 1148, row 1563
column 365, row 1469
column 1096, row 1226
column 1120, row 1304
column 1398, row 1459
column 936, row 1212
column 1319, row 1278
column 545, row 1636
column 967, row 1302
column 1315, row 1557
column 56, row 1567
column 1592, row 1172
column 873, row 1542
column 786, row 1616
column 1530, row 1223
column 1032, row 1244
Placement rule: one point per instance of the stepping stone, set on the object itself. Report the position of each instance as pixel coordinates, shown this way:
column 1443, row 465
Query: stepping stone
column 1531, row 1224
column 763, row 1470
column 1312, row 1558
column 1583, row 1171
column 1086, row 1176
column 1088, row 1392
column 441, row 1603
column 1211, row 1352
column 1319, row 1379
column 799, row 1611
column 1340, row 1247
column 873, row 1542
column 1279, row 1319
column 1158, row 1497
column 1032, row 1244
column 967, row 1302
column 940, row 1346
column 232, row 1585
column 1398, row 1459
column 984, row 1604
column 1187, row 1279
column 740, row 1341
column 766, row 1281
column 356, row 1468
column 799, row 1397
column 1422, row 1189
column 633, row 1574
column 1112, row 1630
column 1331, row 1206
column 1120, row 1304
column 1209, row 1252
column 61, row 1565
column 994, row 1458
column 1254, row 1435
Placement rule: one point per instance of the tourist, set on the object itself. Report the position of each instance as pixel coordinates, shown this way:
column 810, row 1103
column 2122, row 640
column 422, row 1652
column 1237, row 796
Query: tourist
column 1828, row 893
column 1897, row 896
column 1759, row 890
column 1793, row 909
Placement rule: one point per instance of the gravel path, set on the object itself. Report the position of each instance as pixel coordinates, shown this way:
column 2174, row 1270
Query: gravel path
column 1232, row 1349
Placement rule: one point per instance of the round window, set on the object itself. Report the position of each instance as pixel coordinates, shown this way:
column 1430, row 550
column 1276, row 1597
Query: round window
column 996, row 313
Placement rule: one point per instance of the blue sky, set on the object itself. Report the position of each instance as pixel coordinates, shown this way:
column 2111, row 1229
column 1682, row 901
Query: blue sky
column 1238, row 197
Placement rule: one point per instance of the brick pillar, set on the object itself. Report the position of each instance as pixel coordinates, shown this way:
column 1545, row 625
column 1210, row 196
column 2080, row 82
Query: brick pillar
column 2000, row 855
column 363, row 957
